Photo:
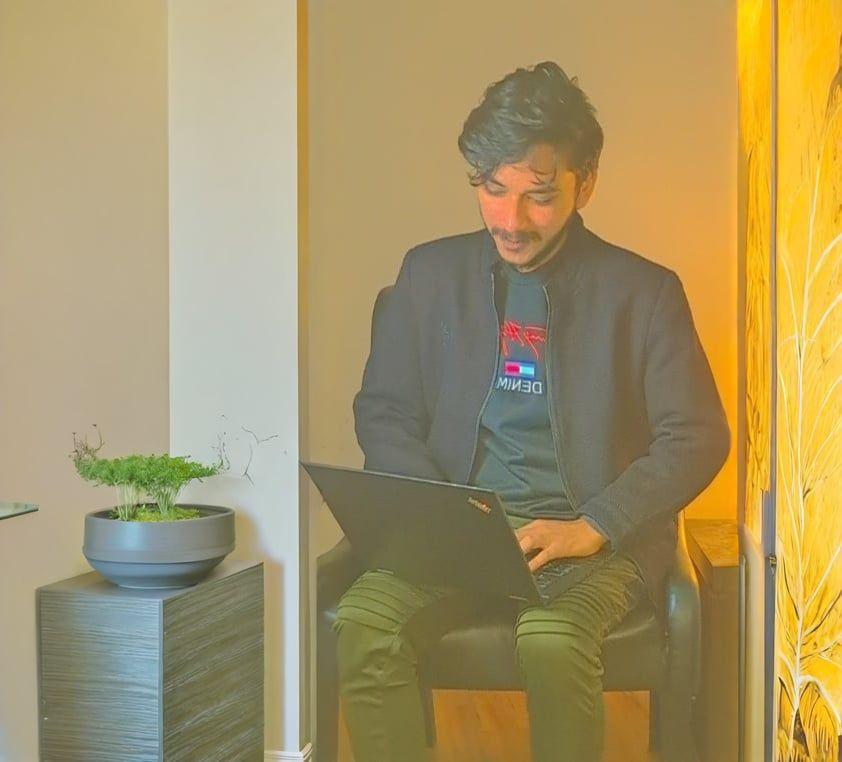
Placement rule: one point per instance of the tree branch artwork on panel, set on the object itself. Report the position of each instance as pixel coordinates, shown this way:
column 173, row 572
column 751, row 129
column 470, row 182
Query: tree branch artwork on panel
column 809, row 376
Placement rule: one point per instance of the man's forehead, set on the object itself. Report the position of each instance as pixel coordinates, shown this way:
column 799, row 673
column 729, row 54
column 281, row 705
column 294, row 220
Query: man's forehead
column 541, row 165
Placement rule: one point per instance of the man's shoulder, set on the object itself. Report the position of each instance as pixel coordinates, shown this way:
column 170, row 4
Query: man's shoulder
column 621, row 273
column 624, row 263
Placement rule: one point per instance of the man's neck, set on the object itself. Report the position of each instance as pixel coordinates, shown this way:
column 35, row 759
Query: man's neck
column 552, row 251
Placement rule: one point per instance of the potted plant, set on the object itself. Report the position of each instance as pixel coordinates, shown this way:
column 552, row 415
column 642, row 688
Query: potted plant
column 148, row 540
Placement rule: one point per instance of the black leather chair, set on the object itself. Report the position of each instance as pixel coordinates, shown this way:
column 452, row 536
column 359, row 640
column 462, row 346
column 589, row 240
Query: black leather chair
column 638, row 655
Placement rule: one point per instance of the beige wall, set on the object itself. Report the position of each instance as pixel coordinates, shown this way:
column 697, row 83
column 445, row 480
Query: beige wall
column 83, row 288
column 234, row 303
column 391, row 84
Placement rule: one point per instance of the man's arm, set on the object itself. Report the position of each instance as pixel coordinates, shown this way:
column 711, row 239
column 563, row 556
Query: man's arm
column 390, row 416
column 691, row 438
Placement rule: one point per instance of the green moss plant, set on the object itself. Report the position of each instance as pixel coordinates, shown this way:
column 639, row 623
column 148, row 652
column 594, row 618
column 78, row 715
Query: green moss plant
column 138, row 478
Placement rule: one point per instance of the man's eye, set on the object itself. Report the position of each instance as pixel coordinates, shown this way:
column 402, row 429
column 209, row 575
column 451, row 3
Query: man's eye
column 493, row 190
column 543, row 200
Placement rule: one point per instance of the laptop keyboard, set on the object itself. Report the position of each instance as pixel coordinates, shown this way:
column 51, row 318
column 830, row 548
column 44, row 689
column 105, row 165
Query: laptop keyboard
column 559, row 575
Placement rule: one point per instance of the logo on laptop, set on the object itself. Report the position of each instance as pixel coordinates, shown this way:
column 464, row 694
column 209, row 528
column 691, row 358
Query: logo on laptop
column 479, row 504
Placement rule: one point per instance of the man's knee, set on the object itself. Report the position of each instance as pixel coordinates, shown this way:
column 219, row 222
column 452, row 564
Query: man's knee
column 371, row 643
column 368, row 656
column 546, row 639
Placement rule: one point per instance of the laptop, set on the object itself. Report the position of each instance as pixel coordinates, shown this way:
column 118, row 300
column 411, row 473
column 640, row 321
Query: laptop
column 442, row 534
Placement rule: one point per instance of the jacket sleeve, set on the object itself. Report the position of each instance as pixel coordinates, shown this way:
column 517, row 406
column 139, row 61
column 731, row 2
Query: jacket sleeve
column 391, row 419
column 690, row 435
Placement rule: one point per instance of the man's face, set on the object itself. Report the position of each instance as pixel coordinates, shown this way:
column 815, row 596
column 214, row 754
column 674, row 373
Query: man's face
column 526, row 205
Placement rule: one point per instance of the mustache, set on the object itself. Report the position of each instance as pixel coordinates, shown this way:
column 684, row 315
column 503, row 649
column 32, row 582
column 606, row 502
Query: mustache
column 514, row 237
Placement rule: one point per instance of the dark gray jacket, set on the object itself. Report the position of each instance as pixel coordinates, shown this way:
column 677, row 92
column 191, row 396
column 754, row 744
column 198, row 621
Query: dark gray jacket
column 639, row 426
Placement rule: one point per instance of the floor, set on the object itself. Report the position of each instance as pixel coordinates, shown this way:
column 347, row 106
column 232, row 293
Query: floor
column 492, row 727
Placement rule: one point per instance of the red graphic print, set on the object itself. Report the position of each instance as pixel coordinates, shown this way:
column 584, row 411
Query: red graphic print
column 532, row 336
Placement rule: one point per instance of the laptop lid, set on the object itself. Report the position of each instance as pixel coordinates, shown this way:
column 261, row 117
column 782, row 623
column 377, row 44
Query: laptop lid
column 427, row 532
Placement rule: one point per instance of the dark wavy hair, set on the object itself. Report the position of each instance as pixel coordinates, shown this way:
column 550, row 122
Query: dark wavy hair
column 529, row 106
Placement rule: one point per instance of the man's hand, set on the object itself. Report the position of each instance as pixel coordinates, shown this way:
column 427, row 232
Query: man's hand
column 556, row 538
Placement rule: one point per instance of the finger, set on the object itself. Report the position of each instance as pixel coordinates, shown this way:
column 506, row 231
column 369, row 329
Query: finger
column 525, row 529
column 542, row 558
column 526, row 543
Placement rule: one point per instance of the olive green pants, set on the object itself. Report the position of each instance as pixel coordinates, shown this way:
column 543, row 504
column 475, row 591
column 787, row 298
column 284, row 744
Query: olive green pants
column 384, row 623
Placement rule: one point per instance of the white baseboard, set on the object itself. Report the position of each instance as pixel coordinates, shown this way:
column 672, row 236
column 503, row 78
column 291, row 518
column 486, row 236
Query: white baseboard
column 290, row 756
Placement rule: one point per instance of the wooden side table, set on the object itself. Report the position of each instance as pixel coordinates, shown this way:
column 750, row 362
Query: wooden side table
column 713, row 545
column 135, row 675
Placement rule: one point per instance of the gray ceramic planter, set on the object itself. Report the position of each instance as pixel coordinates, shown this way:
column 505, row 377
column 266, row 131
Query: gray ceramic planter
column 158, row 554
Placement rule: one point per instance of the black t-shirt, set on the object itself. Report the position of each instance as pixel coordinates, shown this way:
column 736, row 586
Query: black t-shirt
column 515, row 453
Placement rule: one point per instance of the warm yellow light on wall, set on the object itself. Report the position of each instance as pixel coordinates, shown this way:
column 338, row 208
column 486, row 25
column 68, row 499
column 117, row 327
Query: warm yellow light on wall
column 809, row 378
column 808, row 363
column 754, row 51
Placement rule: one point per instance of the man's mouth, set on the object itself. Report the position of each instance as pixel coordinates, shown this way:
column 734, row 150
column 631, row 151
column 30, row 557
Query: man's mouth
column 514, row 246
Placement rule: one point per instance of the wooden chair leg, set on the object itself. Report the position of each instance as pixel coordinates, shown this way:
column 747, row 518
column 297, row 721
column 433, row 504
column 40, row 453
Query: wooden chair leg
column 654, row 723
column 429, row 715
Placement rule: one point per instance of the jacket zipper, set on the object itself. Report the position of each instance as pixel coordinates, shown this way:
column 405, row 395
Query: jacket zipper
column 493, row 377
column 568, row 492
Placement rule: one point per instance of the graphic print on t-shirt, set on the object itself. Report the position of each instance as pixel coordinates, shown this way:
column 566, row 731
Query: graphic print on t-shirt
column 522, row 365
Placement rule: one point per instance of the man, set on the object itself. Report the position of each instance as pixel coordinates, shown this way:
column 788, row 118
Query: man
column 535, row 359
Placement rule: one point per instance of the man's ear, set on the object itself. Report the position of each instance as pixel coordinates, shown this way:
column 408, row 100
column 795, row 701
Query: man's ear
column 586, row 189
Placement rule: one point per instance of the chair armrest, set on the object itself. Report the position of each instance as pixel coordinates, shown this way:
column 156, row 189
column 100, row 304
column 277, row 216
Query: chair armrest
column 684, row 619
column 336, row 570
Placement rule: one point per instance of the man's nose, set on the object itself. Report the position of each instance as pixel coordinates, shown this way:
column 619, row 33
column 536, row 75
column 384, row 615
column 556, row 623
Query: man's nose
column 514, row 215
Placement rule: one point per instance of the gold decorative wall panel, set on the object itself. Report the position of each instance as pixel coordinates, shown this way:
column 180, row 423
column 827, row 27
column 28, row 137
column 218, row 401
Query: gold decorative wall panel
column 754, row 49
column 790, row 74
column 809, row 380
